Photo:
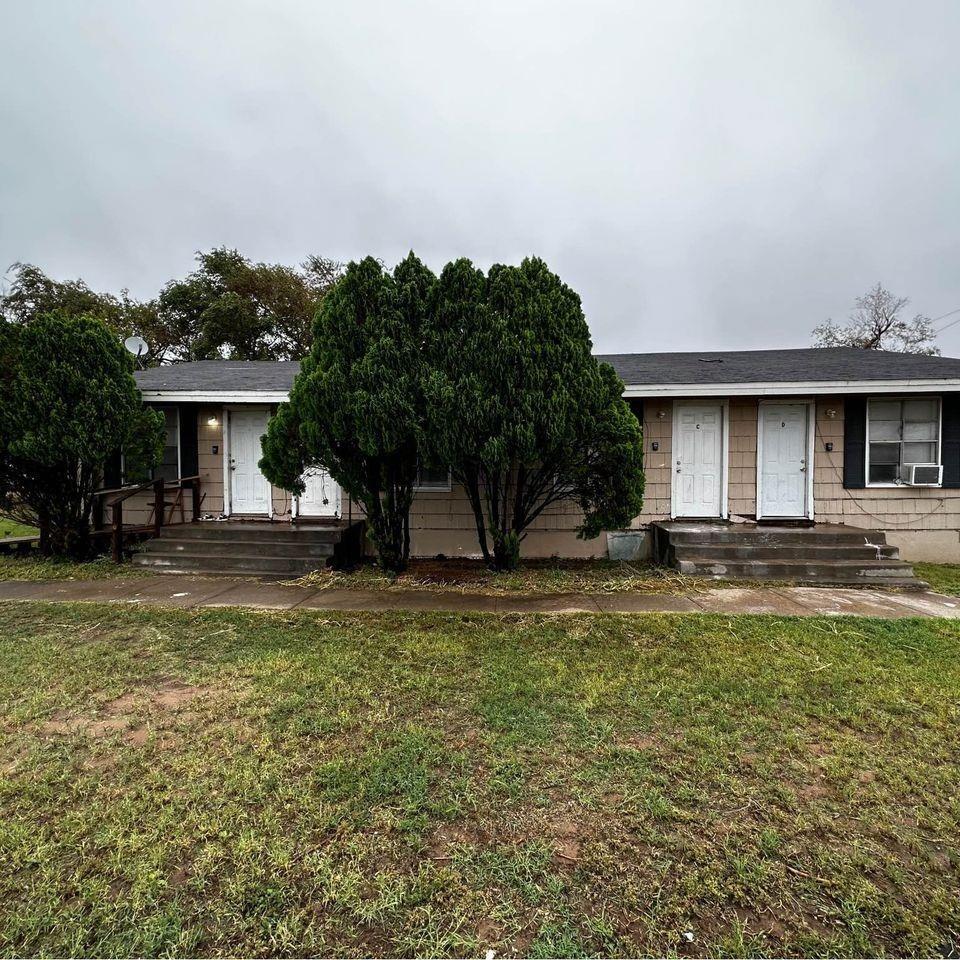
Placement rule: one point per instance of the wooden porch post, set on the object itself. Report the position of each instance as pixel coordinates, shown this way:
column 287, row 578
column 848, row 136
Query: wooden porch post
column 158, row 506
column 195, row 490
column 116, row 532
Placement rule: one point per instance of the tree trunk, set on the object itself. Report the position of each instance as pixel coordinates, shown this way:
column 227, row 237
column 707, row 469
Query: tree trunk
column 506, row 550
column 472, row 486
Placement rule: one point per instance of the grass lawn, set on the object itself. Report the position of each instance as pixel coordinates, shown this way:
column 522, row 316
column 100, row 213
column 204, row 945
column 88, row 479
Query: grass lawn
column 10, row 528
column 230, row 782
column 942, row 577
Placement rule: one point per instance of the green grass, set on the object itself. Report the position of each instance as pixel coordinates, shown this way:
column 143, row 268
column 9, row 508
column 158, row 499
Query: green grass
column 10, row 528
column 34, row 567
column 240, row 783
column 942, row 577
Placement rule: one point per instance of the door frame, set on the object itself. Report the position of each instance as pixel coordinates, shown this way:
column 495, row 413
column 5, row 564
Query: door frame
column 227, row 472
column 724, row 404
column 324, row 516
column 811, row 422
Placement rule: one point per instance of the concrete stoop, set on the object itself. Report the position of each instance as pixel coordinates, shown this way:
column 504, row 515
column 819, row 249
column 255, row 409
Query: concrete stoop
column 824, row 554
column 243, row 548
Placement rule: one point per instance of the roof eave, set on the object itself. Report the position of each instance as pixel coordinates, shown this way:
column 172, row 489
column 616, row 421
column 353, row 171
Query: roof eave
column 788, row 388
column 215, row 396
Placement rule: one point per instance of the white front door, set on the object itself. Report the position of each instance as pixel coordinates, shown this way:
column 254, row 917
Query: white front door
column 249, row 488
column 698, row 460
column 782, row 460
column 321, row 496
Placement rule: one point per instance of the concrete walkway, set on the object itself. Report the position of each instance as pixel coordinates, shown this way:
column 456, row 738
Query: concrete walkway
column 191, row 592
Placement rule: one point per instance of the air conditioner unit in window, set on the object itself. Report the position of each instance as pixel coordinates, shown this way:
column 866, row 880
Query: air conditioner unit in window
column 925, row 474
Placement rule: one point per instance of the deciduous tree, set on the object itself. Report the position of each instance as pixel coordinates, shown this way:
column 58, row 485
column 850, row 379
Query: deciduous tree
column 232, row 308
column 878, row 323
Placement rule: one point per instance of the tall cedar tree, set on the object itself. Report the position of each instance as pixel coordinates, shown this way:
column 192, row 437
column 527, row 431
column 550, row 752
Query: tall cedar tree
column 68, row 401
column 356, row 407
column 520, row 409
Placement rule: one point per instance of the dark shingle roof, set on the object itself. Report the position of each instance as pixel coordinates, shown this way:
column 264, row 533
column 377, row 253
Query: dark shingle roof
column 270, row 376
column 830, row 364
column 833, row 364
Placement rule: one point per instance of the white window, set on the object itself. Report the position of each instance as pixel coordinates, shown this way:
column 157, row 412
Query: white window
column 432, row 478
column 901, row 434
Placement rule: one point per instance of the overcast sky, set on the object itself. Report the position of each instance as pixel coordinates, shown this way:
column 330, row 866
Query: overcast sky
column 706, row 175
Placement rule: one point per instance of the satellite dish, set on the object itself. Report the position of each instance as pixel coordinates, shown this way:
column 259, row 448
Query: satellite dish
column 137, row 346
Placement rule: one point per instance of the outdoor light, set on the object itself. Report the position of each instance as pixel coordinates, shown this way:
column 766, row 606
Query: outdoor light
column 831, row 413
column 212, row 421
column 661, row 414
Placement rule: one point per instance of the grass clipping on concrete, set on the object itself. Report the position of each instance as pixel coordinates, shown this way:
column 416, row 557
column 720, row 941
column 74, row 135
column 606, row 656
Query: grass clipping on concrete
column 32, row 566
column 240, row 783
column 533, row 577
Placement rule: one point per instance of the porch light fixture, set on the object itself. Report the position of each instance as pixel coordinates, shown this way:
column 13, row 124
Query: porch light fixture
column 661, row 414
column 212, row 421
column 831, row 413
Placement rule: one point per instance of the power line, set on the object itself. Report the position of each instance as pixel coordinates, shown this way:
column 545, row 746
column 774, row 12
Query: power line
column 946, row 325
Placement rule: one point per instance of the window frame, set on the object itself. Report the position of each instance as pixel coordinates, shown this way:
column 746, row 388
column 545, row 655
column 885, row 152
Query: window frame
column 887, row 484
column 162, row 408
column 433, row 486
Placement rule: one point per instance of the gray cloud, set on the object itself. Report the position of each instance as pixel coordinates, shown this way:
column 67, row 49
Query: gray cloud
column 715, row 175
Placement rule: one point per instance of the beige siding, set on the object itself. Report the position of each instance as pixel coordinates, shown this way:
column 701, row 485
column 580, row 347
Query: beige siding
column 742, row 462
column 658, row 464
column 441, row 522
column 924, row 522
column 210, row 464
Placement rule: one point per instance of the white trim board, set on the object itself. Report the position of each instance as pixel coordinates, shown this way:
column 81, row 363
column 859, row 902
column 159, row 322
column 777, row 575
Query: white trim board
column 811, row 406
column 805, row 388
column 215, row 396
column 757, row 389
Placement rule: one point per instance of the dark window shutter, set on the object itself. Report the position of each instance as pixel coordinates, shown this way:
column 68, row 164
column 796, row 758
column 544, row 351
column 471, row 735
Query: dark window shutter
column 950, row 454
column 112, row 471
column 189, row 460
column 854, row 442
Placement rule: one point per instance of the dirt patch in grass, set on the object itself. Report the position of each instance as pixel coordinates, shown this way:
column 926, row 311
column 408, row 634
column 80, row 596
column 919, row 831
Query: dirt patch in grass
column 122, row 714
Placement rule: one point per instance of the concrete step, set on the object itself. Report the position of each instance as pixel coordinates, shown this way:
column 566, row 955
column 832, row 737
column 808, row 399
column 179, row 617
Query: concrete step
column 820, row 553
column 874, row 572
column 250, row 565
column 301, row 548
column 773, row 536
column 259, row 533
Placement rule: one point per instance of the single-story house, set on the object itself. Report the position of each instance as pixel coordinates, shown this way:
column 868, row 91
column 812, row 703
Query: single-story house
column 864, row 438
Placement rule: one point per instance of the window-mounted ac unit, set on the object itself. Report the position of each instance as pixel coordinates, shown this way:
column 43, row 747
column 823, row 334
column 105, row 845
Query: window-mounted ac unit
column 925, row 475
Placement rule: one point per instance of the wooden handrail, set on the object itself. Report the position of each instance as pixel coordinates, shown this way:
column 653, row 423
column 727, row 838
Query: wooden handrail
column 130, row 491
column 159, row 486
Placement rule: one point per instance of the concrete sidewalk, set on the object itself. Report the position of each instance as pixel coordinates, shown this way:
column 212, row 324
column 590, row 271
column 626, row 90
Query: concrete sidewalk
column 191, row 592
